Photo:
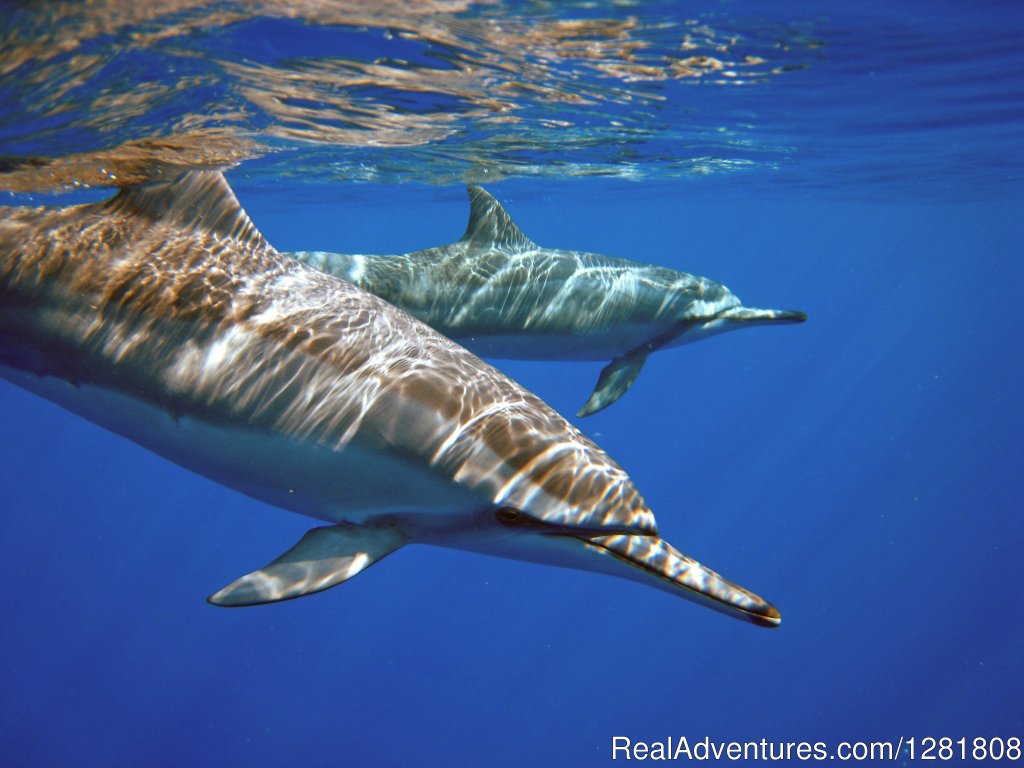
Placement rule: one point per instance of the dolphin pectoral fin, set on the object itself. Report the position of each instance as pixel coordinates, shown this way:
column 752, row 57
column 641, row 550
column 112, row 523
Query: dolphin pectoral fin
column 323, row 558
column 673, row 571
column 615, row 379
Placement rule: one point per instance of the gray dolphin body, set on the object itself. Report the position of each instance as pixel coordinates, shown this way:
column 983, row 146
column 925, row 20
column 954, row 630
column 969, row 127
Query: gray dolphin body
column 501, row 295
column 163, row 315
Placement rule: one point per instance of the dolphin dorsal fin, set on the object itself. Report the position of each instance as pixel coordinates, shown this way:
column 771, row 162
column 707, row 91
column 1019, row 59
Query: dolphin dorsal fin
column 489, row 224
column 195, row 200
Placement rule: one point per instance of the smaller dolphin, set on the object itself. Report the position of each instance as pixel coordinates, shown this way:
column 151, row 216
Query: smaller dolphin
column 499, row 294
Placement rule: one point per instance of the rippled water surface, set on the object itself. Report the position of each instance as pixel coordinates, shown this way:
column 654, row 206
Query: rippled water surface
column 862, row 162
column 823, row 95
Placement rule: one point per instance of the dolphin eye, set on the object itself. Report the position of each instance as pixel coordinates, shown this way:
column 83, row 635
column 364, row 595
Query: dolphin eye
column 509, row 516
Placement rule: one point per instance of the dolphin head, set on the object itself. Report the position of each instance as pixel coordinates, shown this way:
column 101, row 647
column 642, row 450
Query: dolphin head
column 743, row 317
column 571, row 505
column 706, row 308
column 537, row 474
column 677, row 308
column 642, row 557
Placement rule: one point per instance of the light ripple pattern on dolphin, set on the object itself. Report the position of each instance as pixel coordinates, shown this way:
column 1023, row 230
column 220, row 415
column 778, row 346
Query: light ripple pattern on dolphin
column 501, row 295
column 163, row 315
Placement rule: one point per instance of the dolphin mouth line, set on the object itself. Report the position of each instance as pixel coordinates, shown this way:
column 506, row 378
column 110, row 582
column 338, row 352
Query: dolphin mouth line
column 583, row 533
column 516, row 518
column 724, row 596
column 752, row 315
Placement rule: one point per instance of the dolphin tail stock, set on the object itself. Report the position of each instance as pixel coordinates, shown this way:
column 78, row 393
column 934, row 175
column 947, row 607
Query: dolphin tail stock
column 615, row 379
column 324, row 557
column 654, row 559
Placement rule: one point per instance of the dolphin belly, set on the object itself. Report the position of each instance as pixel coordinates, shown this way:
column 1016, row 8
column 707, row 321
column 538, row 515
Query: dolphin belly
column 298, row 476
column 550, row 346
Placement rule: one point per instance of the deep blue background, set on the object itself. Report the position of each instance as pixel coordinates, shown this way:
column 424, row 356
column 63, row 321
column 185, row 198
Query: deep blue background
column 863, row 471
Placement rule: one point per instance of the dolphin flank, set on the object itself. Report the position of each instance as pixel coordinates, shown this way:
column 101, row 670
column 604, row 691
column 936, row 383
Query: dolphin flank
column 163, row 315
column 501, row 295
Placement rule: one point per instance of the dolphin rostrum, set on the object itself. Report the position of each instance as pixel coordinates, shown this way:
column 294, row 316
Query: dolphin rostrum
column 501, row 295
column 163, row 315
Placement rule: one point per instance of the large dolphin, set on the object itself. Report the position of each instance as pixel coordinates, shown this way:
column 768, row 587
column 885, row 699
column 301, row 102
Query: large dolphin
column 163, row 315
column 501, row 295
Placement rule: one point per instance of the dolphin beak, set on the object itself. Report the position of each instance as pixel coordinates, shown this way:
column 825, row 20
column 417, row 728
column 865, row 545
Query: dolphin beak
column 755, row 316
column 656, row 562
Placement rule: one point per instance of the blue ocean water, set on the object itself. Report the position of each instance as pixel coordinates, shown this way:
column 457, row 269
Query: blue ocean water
column 862, row 471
